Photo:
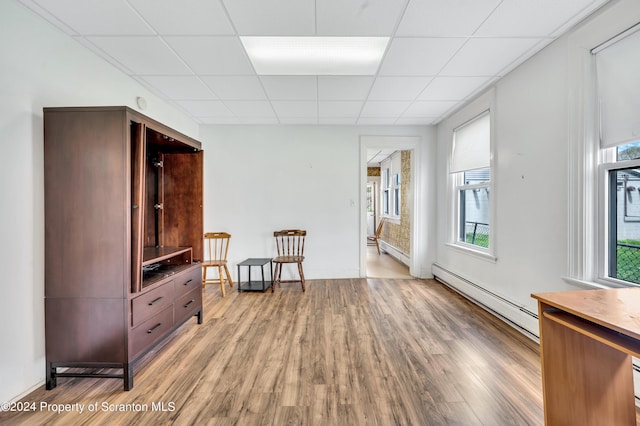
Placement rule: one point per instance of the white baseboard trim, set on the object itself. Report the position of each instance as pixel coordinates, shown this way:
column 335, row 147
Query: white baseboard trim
column 395, row 253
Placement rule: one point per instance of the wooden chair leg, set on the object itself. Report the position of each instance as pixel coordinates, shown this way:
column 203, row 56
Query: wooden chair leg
column 221, row 280
column 204, row 275
column 378, row 246
column 276, row 274
column 301, row 275
column 228, row 276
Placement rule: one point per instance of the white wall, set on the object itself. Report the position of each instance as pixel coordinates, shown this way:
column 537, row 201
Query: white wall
column 260, row 179
column 533, row 122
column 40, row 66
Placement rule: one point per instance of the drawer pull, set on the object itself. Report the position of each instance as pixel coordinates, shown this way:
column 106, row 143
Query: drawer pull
column 156, row 300
column 187, row 283
column 152, row 329
column 188, row 303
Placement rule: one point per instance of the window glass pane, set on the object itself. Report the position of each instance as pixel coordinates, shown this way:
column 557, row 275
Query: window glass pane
column 396, row 179
column 474, row 216
column 369, row 198
column 385, row 201
column 628, row 152
column 624, row 224
column 396, row 201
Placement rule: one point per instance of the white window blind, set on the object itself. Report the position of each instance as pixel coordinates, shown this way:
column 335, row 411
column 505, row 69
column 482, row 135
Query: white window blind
column 472, row 144
column 618, row 76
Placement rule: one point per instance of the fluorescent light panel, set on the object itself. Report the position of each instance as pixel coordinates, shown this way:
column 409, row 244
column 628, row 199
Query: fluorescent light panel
column 315, row 55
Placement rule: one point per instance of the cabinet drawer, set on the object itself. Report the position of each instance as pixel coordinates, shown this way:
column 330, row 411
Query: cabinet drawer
column 150, row 303
column 188, row 280
column 188, row 304
column 142, row 336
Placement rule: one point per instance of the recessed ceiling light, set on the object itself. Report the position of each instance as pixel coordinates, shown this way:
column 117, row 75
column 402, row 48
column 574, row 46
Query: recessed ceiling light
column 315, row 55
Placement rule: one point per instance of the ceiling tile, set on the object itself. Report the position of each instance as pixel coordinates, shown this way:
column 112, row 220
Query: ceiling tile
column 250, row 108
column 239, row 120
column 445, row 18
column 180, row 87
column 290, row 87
column 419, row 56
column 235, row 87
column 97, row 17
column 487, row 56
column 337, row 120
column 339, row 108
column 343, row 87
column 428, row 108
column 141, row 55
column 299, row 120
column 206, row 108
column 212, row 55
column 416, row 121
column 186, row 17
column 358, row 18
column 397, row 88
column 296, row 109
column 272, row 17
column 526, row 18
column 451, row 88
column 378, row 121
column 376, row 109
column 441, row 53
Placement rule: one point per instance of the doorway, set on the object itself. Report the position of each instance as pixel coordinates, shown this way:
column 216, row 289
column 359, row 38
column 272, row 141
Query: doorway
column 386, row 265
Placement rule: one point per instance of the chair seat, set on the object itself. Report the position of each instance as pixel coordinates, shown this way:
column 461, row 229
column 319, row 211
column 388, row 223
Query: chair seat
column 288, row 259
column 214, row 263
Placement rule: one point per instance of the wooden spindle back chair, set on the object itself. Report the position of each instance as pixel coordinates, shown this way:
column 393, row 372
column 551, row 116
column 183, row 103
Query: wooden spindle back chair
column 290, row 247
column 374, row 239
column 215, row 256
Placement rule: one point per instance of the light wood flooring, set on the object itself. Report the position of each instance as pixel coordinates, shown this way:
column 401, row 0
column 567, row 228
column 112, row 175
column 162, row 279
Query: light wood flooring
column 345, row 352
column 384, row 265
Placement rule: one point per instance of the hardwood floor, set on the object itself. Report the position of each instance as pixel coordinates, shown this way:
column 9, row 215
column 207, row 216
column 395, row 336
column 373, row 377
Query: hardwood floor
column 345, row 352
column 384, row 265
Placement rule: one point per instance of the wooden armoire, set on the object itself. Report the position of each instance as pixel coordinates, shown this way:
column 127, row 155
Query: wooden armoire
column 123, row 238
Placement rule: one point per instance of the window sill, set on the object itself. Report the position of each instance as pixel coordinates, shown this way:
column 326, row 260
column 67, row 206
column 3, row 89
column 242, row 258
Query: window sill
column 473, row 252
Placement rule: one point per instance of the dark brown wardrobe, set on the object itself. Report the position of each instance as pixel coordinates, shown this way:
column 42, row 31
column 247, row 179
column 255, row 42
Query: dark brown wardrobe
column 123, row 238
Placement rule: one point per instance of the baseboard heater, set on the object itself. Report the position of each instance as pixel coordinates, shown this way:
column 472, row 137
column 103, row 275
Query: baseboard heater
column 394, row 252
column 511, row 313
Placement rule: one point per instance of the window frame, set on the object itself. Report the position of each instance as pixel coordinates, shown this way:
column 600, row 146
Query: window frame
column 385, row 190
column 462, row 231
column 484, row 104
column 391, row 187
column 608, row 164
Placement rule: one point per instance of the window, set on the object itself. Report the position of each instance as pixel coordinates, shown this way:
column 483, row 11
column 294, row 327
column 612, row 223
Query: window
column 471, row 171
column 623, row 242
column 391, row 186
column 396, row 194
column 385, row 191
column 618, row 98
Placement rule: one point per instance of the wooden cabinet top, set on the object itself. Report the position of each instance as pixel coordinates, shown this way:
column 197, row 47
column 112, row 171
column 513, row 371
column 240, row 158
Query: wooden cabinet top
column 617, row 308
column 168, row 134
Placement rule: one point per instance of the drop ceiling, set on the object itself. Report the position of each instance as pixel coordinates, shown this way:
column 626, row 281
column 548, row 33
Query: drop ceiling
column 440, row 52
